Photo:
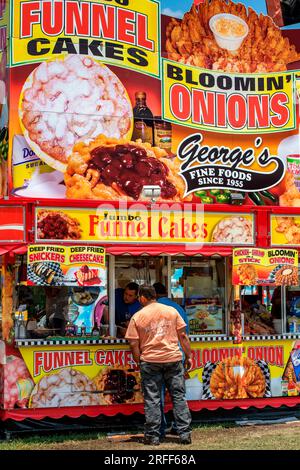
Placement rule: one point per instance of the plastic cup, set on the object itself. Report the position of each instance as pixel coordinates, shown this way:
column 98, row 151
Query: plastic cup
column 229, row 42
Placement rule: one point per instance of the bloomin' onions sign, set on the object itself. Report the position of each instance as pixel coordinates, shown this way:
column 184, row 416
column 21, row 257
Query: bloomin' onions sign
column 259, row 267
column 110, row 96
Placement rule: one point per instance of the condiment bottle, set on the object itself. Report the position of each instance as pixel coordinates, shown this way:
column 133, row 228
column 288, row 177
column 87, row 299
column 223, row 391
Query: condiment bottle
column 17, row 324
column 22, row 328
column 143, row 119
column 162, row 134
column 293, row 166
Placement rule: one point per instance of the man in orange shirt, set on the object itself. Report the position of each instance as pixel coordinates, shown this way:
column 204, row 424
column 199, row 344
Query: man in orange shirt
column 153, row 334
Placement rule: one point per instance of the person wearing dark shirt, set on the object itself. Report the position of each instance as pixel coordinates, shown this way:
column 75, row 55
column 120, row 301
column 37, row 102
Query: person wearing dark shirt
column 162, row 298
column 126, row 305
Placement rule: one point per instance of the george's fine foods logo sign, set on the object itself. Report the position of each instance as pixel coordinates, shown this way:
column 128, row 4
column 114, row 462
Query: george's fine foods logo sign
column 206, row 166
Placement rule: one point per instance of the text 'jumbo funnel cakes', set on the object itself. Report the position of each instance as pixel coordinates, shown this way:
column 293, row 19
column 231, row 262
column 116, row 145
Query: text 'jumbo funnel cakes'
column 64, row 101
column 264, row 49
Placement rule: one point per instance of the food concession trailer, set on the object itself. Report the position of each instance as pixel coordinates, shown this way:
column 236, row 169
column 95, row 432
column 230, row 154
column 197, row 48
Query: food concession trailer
column 45, row 374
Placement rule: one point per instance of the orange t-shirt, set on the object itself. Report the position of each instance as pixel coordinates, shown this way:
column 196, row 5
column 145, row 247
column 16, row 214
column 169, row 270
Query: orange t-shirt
column 156, row 326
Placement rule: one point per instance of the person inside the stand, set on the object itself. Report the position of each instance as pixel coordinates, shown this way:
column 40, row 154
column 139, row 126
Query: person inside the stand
column 126, row 305
column 26, row 298
column 162, row 298
column 276, row 303
column 276, row 309
column 57, row 309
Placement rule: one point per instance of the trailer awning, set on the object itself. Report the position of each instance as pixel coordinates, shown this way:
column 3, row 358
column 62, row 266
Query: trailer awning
column 17, row 249
column 142, row 249
column 172, row 250
column 127, row 410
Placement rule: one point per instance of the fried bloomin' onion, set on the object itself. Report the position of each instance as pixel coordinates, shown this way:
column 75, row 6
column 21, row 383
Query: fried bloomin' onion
column 192, row 42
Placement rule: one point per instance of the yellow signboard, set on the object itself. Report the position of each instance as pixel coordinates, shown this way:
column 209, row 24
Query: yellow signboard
column 106, row 224
column 210, row 100
column 219, row 127
column 125, row 34
column 266, row 267
column 57, row 265
column 77, row 375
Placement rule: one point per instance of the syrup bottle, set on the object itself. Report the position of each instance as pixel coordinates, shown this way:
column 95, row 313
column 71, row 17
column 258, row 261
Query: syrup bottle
column 143, row 119
column 83, row 329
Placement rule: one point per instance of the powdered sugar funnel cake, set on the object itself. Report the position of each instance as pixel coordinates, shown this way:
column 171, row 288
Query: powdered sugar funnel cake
column 67, row 387
column 233, row 230
column 72, row 99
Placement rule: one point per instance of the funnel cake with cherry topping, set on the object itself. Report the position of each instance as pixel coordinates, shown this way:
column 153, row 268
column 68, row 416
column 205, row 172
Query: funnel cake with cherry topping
column 57, row 225
column 112, row 169
column 119, row 385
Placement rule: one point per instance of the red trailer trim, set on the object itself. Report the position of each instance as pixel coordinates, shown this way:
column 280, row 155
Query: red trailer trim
column 113, row 410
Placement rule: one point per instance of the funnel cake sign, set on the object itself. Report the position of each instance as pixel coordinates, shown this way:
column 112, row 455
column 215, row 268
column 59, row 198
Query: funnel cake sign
column 107, row 375
column 142, row 225
column 111, row 96
column 114, row 30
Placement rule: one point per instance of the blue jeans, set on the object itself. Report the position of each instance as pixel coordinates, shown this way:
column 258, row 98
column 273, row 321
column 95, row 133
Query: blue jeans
column 163, row 424
column 154, row 376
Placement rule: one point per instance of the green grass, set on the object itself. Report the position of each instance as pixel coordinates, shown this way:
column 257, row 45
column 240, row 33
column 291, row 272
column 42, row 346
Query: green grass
column 39, row 441
column 225, row 436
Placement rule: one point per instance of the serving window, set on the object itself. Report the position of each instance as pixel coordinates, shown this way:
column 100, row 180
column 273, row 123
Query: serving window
column 267, row 310
column 260, row 308
column 198, row 285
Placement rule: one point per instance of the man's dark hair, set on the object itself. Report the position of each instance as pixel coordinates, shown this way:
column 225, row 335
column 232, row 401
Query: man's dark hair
column 148, row 292
column 160, row 289
column 132, row 286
